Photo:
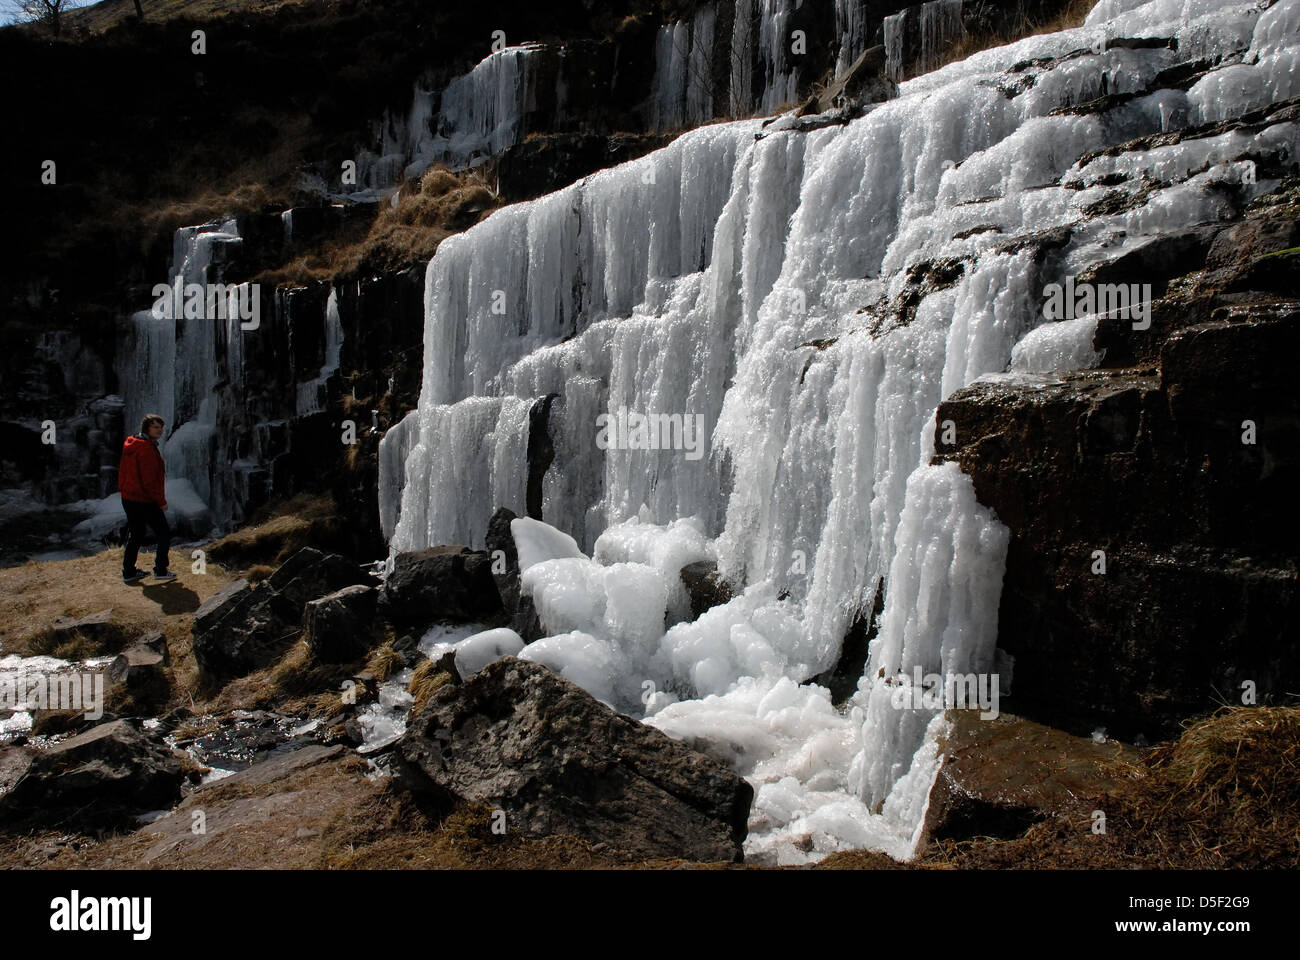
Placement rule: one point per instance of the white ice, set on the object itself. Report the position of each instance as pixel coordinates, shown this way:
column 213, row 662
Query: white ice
column 737, row 281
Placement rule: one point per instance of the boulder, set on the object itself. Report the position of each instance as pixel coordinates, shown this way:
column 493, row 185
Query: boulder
column 244, row 628
column 148, row 651
column 340, row 627
column 144, row 675
column 99, row 778
column 704, row 586
column 440, row 584
column 98, row 628
column 524, row 740
column 999, row 777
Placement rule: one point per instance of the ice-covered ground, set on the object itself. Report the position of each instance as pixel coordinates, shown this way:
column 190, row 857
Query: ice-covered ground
column 743, row 281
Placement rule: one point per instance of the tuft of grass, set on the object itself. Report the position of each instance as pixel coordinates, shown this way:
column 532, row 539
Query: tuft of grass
column 258, row 572
column 425, row 682
column 295, row 684
column 385, row 661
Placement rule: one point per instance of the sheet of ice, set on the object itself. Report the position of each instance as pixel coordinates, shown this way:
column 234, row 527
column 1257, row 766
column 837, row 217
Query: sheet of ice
column 475, row 117
column 384, row 721
column 851, row 29
column 756, row 284
column 172, row 366
column 1066, row 345
column 394, row 451
column 477, row 651
column 537, row 542
column 489, row 469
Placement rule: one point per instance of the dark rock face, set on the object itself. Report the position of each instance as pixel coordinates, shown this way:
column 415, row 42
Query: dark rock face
column 540, row 453
column 1154, row 468
column 440, row 583
column 340, row 627
column 517, row 606
column 842, row 679
column 244, row 628
column 544, row 164
column 100, row 777
column 522, row 739
column 1173, row 470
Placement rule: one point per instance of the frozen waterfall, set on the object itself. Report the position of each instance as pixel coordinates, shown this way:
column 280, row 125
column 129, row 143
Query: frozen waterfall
column 769, row 288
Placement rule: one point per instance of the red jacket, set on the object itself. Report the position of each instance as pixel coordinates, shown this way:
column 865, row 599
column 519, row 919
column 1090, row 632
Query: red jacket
column 142, row 477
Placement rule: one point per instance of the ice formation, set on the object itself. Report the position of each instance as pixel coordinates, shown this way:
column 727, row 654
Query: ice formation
column 751, row 282
column 476, row 116
column 173, row 365
column 221, row 431
column 311, row 393
column 938, row 24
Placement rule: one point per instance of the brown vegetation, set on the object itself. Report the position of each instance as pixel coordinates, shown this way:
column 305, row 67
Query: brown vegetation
column 275, row 534
column 1226, row 794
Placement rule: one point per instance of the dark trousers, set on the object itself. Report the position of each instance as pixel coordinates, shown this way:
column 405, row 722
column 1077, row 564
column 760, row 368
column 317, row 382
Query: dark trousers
column 138, row 516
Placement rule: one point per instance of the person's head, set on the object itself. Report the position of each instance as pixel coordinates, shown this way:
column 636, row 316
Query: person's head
column 151, row 426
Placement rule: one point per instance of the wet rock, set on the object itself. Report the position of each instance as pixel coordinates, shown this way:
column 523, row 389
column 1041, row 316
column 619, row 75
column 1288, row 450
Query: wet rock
column 999, row 777
column 340, row 627
column 14, row 761
column 97, row 779
column 522, row 739
column 842, row 679
column 243, row 628
column 440, row 584
column 704, row 587
column 144, row 674
column 864, row 82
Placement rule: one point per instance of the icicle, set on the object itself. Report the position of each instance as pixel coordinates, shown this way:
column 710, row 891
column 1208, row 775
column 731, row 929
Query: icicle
column 812, row 298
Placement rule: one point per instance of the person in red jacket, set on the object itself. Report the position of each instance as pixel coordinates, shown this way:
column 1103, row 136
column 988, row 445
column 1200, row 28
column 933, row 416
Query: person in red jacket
column 142, row 480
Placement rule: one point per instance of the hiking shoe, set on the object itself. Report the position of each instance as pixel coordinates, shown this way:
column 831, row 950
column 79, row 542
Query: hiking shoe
column 135, row 576
column 165, row 575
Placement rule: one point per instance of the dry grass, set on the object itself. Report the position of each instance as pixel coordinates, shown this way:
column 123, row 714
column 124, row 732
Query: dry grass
column 385, row 661
column 1225, row 795
column 296, row 685
column 98, row 17
column 244, row 199
column 427, row 211
column 34, row 594
column 276, row 533
column 426, row 680
column 1022, row 25
column 258, row 572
